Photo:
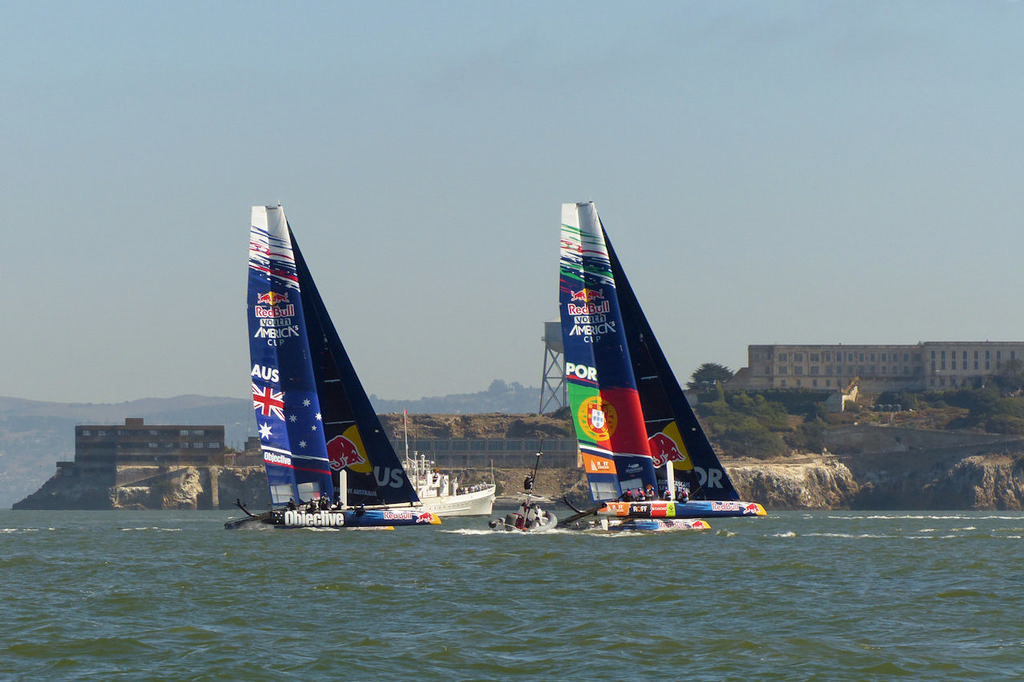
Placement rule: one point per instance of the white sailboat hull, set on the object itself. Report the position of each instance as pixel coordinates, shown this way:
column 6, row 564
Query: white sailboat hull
column 475, row 503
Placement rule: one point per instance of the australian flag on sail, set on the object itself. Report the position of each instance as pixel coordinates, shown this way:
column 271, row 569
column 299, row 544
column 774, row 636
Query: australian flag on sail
column 284, row 393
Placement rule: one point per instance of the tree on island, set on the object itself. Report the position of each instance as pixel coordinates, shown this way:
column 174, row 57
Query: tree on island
column 707, row 376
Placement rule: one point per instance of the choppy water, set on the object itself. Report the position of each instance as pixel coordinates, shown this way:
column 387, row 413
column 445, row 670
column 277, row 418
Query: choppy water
column 794, row 596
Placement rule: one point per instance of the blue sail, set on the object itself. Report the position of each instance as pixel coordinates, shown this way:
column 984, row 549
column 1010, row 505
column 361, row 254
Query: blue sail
column 284, row 391
column 314, row 417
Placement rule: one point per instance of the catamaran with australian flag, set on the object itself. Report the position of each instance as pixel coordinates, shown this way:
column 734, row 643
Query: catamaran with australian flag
column 328, row 461
column 647, row 460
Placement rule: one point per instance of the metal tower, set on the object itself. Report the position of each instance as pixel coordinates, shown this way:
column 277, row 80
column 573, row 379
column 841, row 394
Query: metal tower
column 553, row 390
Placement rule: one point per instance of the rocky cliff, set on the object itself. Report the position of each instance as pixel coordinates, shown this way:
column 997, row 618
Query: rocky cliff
column 870, row 467
column 972, row 481
column 806, row 483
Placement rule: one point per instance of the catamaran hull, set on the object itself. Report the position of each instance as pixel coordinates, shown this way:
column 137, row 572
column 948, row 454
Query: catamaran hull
column 356, row 518
column 694, row 509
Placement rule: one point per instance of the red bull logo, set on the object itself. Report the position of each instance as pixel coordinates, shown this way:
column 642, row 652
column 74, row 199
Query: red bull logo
column 664, row 449
column 587, row 295
column 343, row 453
column 588, row 302
column 279, row 305
column 272, row 298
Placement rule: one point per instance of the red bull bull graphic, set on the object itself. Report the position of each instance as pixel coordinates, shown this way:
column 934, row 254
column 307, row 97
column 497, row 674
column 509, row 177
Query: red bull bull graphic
column 272, row 298
column 587, row 295
column 667, row 446
column 277, row 305
column 344, row 453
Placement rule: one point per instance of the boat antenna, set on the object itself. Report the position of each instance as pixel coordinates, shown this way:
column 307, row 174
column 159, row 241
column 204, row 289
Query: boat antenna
column 533, row 476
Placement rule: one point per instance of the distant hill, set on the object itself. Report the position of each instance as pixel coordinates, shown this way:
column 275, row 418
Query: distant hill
column 35, row 435
column 510, row 398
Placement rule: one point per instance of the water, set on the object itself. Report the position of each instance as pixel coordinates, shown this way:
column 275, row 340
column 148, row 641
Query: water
column 794, row 596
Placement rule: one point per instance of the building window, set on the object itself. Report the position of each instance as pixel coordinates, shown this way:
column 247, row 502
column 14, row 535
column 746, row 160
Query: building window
column 814, row 357
column 798, row 357
column 782, row 357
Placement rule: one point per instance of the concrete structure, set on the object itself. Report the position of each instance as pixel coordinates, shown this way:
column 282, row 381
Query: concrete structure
column 553, row 395
column 875, row 368
column 105, row 452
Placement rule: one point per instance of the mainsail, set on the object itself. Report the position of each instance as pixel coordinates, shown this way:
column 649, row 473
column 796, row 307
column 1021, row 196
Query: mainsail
column 602, row 390
column 630, row 413
column 314, row 418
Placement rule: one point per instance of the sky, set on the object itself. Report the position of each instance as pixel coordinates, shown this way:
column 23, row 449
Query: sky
column 769, row 172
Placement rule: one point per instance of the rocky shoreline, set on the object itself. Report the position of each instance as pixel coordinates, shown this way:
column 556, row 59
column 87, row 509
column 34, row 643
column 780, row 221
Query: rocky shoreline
column 921, row 481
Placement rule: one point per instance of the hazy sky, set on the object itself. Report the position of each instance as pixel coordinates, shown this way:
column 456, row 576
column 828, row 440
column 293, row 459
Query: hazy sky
column 769, row 172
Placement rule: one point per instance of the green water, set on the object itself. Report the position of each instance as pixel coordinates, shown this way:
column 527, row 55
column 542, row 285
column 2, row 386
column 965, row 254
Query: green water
column 794, row 596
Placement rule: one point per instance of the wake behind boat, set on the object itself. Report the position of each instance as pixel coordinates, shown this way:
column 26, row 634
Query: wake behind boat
column 648, row 462
column 329, row 463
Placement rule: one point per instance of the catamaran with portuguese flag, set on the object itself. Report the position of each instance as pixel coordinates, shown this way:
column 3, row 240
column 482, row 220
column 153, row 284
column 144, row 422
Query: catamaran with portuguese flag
column 328, row 460
column 647, row 460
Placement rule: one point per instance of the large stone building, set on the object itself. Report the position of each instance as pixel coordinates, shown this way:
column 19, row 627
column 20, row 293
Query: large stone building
column 875, row 368
column 120, row 452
